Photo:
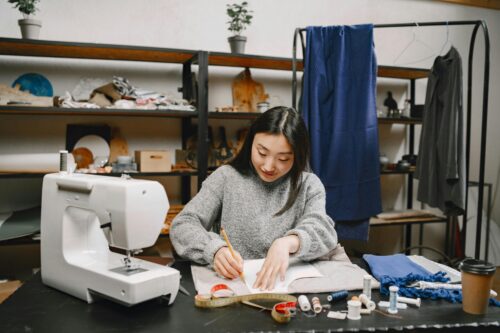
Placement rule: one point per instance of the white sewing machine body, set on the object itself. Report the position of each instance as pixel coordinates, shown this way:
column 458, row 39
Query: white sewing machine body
column 75, row 255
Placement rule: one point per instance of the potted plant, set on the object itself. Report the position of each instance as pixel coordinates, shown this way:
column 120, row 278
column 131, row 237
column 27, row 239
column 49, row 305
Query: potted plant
column 30, row 28
column 239, row 18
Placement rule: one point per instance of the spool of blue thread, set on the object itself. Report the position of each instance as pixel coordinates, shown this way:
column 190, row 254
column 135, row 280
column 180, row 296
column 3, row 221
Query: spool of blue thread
column 337, row 296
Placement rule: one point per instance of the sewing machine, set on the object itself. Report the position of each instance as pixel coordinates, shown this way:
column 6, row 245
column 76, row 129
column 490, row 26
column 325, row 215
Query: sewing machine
column 77, row 209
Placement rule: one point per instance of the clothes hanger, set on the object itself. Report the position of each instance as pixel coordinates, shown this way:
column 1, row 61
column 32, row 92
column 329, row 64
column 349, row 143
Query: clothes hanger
column 447, row 39
column 415, row 40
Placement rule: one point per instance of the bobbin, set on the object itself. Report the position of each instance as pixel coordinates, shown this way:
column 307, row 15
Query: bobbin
column 353, row 310
column 367, row 285
column 415, row 301
column 316, row 305
column 337, row 296
column 304, row 303
column 368, row 303
column 63, row 161
column 393, row 296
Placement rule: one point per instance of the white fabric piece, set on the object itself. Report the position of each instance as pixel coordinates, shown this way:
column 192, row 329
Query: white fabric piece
column 68, row 102
column 337, row 270
column 434, row 267
column 33, row 162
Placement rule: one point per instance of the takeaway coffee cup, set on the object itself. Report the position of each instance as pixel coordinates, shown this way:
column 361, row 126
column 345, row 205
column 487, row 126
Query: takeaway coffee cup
column 477, row 280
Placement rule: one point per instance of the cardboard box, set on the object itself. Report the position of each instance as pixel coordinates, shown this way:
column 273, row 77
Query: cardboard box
column 153, row 160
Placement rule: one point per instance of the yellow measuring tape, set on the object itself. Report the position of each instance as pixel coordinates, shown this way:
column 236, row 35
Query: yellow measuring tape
column 281, row 312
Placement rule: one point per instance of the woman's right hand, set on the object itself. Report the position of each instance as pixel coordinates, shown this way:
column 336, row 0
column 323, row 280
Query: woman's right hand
column 226, row 265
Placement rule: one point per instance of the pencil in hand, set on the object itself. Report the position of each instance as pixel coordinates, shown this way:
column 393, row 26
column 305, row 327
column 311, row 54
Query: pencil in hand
column 223, row 233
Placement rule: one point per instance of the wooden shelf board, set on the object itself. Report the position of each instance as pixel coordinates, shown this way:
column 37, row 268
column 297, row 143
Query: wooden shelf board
column 34, row 110
column 233, row 115
column 402, row 120
column 396, row 172
column 414, row 220
column 252, row 61
column 40, row 173
column 56, row 49
column 59, row 49
column 402, row 72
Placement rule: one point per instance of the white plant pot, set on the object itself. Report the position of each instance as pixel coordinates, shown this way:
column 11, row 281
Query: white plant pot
column 30, row 28
column 237, row 44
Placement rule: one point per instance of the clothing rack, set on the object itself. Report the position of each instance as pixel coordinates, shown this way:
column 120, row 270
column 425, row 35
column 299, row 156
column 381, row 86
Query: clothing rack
column 484, row 118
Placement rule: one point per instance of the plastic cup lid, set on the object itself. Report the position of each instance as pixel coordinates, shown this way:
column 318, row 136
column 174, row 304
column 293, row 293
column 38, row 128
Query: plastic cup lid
column 475, row 266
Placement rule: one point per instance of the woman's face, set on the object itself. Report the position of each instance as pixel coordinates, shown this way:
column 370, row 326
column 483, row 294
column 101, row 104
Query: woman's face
column 272, row 156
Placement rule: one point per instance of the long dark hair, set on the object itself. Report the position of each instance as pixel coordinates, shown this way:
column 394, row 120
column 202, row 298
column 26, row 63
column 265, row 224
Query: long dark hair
column 279, row 120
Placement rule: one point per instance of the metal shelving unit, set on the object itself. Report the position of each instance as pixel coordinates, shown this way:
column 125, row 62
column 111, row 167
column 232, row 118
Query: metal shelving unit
column 90, row 51
column 412, row 74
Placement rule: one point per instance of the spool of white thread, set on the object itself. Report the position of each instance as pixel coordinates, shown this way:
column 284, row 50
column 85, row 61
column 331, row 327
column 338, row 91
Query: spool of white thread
column 63, row 161
column 304, row 303
column 369, row 304
column 393, row 295
column 316, row 305
column 367, row 286
column 407, row 300
column 400, row 306
column 353, row 310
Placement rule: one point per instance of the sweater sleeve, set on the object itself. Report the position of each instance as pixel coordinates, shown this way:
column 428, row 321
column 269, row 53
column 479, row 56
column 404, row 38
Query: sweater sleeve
column 314, row 228
column 189, row 231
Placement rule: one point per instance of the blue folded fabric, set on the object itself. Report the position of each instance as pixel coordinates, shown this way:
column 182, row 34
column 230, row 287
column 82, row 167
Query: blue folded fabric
column 395, row 266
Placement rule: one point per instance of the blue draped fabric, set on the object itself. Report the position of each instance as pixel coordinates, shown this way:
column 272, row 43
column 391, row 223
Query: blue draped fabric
column 338, row 106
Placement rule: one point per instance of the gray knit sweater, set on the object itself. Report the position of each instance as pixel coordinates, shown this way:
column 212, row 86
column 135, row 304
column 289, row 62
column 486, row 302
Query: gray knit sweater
column 245, row 206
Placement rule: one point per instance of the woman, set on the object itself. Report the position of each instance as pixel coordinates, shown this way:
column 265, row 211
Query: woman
column 266, row 202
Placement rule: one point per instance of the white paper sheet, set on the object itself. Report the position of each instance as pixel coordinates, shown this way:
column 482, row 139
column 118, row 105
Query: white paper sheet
column 294, row 272
column 205, row 278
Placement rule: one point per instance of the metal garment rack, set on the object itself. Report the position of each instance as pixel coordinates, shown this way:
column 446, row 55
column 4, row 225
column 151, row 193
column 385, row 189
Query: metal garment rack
column 484, row 117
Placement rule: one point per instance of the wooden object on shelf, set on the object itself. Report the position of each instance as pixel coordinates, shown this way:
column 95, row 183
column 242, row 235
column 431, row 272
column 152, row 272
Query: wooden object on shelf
column 83, row 157
column 414, row 220
column 247, row 92
column 403, row 214
column 117, row 145
column 172, row 213
column 153, row 160
column 408, row 216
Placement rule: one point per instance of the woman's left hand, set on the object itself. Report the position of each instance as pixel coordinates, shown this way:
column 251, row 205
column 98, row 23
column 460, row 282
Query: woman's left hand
column 276, row 262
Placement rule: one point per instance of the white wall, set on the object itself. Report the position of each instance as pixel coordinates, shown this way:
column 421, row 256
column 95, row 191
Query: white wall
column 199, row 24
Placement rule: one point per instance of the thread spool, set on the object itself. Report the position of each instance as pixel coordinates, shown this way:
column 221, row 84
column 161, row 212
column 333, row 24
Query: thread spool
column 407, row 300
column 400, row 306
column 367, row 286
column 393, row 296
column 353, row 310
column 337, row 296
column 304, row 303
column 63, row 161
column 316, row 305
column 368, row 303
